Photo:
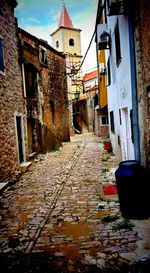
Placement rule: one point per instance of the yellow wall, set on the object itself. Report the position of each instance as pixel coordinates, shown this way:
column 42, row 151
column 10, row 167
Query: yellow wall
column 103, row 88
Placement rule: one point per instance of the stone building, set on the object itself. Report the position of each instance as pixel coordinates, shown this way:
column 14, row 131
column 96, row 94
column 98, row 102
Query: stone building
column 12, row 114
column 45, row 93
column 34, row 112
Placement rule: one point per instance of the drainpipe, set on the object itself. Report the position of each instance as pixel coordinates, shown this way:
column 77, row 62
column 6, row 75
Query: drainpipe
column 134, row 89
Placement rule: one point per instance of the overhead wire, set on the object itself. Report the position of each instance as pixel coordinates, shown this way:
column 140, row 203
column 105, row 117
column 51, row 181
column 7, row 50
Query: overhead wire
column 87, row 49
column 77, row 70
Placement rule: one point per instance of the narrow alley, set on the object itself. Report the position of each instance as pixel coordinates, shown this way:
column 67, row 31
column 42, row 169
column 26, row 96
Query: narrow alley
column 60, row 216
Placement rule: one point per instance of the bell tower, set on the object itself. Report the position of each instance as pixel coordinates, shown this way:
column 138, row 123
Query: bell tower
column 66, row 39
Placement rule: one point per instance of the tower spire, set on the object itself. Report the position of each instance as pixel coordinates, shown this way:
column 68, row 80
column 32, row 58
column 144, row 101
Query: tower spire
column 65, row 20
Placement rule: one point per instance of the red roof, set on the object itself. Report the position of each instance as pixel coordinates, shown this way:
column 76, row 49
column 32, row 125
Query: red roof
column 65, row 20
column 90, row 76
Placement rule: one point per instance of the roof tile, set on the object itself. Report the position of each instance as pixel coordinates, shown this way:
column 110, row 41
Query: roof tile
column 65, row 20
column 90, row 76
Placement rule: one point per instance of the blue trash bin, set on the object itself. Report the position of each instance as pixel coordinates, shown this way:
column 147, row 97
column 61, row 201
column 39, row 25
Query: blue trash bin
column 131, row 181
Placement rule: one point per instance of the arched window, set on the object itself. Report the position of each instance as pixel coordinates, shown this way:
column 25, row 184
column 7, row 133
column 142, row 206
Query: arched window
column 71, row 42
column 57, row 44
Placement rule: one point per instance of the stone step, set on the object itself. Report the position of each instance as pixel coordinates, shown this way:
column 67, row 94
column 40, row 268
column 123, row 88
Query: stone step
column 24, row 166
column 3, row 186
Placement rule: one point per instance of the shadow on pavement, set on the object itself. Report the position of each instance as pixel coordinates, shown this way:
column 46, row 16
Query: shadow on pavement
column 43, row 263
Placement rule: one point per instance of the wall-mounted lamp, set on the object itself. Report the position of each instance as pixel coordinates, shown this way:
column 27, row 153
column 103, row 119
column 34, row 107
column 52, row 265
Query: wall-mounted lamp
column 103, row 37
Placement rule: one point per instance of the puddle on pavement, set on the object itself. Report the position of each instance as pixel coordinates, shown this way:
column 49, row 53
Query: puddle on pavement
column 70, row 251
column 75, row 230
column 100, row 215
column 23, row 217
column 22, row 201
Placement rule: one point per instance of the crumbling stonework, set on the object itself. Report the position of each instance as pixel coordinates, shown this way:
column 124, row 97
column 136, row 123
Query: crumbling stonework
column 141, row 21
column 33, row 94
column 46, row 94
column 11, row 99
column 56, row 115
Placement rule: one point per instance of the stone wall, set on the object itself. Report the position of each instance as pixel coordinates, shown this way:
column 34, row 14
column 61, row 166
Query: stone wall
column 11, row 99
column 55, row 107
column 49, row 122
column 142, row 41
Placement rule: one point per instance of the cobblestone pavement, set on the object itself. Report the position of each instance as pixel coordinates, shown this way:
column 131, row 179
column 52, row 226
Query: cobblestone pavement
column 56, row 217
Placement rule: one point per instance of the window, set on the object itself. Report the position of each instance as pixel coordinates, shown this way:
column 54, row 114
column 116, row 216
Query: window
column 112, row 124
column 57, row 44
column 119, row 143
column 20, row 136
column 43, row 56
column 1, row 55
column 96, row 100
column 120, row 119
column 30, row 81
column 71, row 42
column 117, row 43
column 104, row 120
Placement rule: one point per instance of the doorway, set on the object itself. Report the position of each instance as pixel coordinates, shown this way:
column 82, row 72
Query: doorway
column 19, row 127
column 125, row 134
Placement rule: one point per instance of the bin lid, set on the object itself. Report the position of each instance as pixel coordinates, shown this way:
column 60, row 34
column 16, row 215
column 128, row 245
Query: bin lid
column 129, row 163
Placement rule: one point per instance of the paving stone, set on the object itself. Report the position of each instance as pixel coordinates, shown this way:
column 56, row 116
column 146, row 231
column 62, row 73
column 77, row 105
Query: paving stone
column 58, row 204
column 100, row 263
column 129, row 257
column 90, row 260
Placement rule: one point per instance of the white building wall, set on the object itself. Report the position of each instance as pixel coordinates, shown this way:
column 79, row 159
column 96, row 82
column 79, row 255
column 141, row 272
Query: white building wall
column 90, row 83
column 119, row 91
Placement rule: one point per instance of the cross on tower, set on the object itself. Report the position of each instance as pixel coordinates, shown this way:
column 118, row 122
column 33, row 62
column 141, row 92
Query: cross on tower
column 63, row 2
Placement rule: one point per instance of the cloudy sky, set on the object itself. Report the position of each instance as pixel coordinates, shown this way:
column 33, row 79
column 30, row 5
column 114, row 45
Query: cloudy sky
column 40, row 18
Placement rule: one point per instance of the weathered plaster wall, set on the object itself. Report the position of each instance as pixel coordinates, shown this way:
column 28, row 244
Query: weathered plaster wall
column 120, row 91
